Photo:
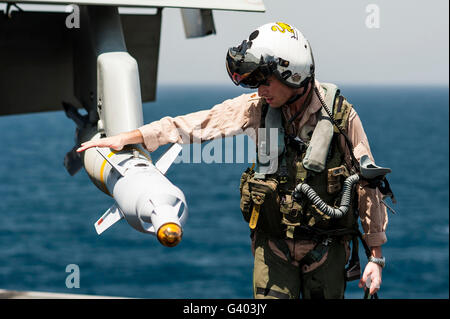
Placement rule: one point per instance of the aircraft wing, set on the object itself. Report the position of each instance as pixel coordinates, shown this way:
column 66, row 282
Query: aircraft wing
column 97, row 58
column 42, row 64
column 238, row 5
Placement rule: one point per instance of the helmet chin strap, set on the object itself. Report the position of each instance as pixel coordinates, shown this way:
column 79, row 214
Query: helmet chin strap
column 294, row 98
column 305, row 89
column 297, row 96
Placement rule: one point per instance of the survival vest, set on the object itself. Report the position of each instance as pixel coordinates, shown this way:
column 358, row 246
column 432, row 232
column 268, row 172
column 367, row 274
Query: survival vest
column 266, row 198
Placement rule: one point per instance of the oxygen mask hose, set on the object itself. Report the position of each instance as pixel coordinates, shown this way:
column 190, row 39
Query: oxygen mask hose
column 324, row 207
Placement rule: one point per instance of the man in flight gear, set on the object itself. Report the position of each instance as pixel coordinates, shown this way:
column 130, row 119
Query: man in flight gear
column 314, row 176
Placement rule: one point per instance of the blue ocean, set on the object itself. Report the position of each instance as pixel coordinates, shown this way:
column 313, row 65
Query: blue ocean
column 47, row 216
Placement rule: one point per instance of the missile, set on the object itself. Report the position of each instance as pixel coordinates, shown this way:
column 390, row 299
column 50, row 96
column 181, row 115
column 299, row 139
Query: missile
column 108, row 87
column 143, row 195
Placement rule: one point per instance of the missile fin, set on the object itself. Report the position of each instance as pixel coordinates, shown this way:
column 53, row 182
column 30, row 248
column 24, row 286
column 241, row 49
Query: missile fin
column 72, row 161
column 115, row 166
column 166, row 160
column 109, row 218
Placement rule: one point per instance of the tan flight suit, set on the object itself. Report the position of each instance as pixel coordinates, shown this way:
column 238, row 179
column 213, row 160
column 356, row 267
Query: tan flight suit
column 274, row 275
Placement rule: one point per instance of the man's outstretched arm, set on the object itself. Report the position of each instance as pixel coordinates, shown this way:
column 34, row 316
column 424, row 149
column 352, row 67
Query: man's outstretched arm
column 116, row 142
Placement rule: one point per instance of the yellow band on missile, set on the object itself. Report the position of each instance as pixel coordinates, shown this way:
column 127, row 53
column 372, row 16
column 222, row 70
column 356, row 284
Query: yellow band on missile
column 254, row 217
column 102, row 169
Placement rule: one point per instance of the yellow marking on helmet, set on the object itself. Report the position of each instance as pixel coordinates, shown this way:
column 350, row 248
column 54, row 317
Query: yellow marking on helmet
column 282, row 27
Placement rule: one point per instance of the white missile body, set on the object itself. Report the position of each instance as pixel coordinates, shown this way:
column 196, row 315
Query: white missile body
column 144, row 196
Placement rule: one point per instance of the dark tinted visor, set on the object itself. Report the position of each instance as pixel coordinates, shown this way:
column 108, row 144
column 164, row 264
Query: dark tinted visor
column 247, row 74
column 256, row 78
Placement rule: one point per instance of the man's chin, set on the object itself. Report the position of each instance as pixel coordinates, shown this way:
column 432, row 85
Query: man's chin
column 275, row 105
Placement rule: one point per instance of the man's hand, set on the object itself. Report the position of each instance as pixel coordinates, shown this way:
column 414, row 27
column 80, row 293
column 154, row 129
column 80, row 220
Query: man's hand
column 372, row 271
column 116, row 142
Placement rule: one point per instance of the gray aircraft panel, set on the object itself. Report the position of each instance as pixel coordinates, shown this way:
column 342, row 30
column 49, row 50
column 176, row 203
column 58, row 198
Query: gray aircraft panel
column 38, row 59
column 238, row 5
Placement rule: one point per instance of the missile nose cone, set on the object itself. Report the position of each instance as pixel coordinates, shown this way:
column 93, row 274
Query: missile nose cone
column 169, row 234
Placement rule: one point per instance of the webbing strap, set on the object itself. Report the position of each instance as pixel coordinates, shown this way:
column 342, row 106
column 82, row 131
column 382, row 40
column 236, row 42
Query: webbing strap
column 316, row 254
column 272, row 293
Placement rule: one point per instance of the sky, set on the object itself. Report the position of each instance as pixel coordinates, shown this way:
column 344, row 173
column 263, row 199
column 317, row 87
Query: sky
column 375, row 42
column 408, row 46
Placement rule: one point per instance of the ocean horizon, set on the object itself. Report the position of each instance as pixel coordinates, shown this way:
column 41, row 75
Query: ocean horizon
column 48, row 216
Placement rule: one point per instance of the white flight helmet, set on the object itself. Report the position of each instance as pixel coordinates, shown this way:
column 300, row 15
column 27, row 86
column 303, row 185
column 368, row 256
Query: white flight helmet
column 274, row 48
